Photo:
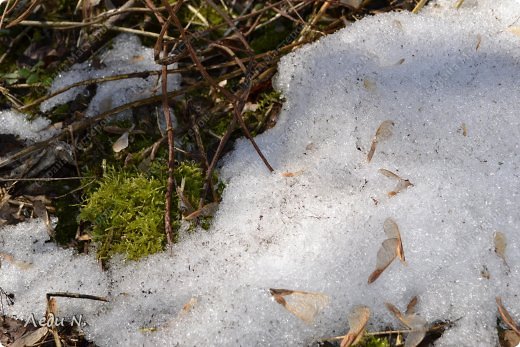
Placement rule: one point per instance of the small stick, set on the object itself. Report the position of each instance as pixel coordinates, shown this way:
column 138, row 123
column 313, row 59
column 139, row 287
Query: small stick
column 76, row 296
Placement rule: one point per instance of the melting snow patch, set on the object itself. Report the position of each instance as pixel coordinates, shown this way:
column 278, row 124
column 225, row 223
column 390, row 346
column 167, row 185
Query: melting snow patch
column 126, row 56
column 16, row 123
column 448, row 80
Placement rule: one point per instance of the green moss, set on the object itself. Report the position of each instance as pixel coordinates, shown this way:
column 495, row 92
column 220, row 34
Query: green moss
column 126, row 215
column 372, row 341
column 126, row 209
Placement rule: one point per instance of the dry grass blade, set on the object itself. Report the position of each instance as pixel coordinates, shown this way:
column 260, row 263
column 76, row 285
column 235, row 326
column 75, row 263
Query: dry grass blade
column 402, row 183
column 51, row 314
column 506, row 317
column 392, row 231
column 357, row 321
column 419, row 6
column 383, row 132
column 205, row 211
column 304, row 305
column 500, row 246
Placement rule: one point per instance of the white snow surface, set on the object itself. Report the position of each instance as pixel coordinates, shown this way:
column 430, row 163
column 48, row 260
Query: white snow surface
column 127, row 55
column 321, row 229
column 18, row 124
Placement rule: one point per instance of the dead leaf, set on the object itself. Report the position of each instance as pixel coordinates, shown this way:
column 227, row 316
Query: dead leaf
column 506, row 317
column 510, row 339
column 392, row 231
column 390, row 249
column 22, row 265
column 292, row 174
column 383, row 132
column 304, row 305
column 514, row 30
column 188, row 306
column 410, row 308
column 40, row 210
column 32, row 338
column 357, row 321
column 402, row 183
column 417, row 324
column 369, row 84
column 500, row 246
column 122, row 142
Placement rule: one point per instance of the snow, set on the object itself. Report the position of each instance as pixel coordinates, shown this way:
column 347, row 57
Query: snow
column 127, row 55
column 16, row 123
column 454, row 103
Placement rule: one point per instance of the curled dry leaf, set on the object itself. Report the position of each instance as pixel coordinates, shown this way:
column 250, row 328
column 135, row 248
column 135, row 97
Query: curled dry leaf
column 402, row 183
column 357, row 321
column 500, row 246
column 383, row 132
column 304, row 305
column 390, row 249
column 506, row 317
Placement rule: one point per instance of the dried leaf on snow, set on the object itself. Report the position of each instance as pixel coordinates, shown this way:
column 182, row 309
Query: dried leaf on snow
column 382, row 133
column 402, row 183
column 304, row 305
column 506, row 317
column 390, row 249
column 357, row 321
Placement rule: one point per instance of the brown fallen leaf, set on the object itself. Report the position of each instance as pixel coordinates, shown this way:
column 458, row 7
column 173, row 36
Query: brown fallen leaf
column 500, row 246
column 304, row 305
column 292, row 174
column 506, row 317
column 382, row 133
column 188, row 306
column 357, row 321
column 402, row 183
column 390, row 249
column 418, row 326
column 32, row 338
column 18, row 263
column 410, row 308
